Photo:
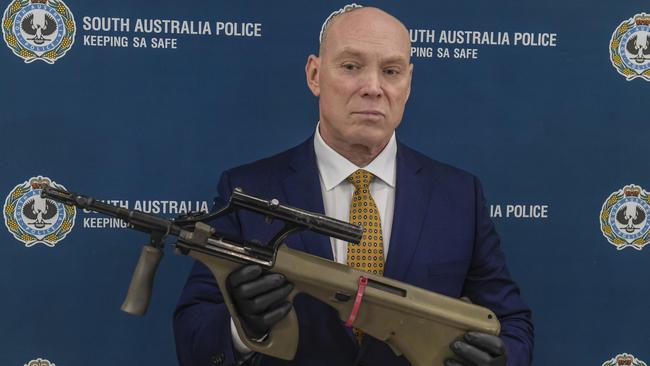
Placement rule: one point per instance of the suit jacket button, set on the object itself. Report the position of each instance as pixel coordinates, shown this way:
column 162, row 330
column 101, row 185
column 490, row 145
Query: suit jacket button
column 218, row 359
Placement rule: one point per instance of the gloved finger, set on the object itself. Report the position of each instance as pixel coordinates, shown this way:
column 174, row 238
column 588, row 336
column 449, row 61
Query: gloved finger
column 259, row 286
column 244, row 274
column 253, row 326
column 487, row 342
column 470, row 353
column 452, row 362
column 275, row 315
column 263, row 302
column 261, row 323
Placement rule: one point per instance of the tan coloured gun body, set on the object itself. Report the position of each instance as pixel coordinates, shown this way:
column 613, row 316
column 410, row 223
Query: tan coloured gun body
column 417, row 323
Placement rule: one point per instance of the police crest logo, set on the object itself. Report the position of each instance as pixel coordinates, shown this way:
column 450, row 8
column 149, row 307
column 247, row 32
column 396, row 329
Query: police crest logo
column 629, row 49
column 624, row 360
column 624, row 218
column 39, row 362
column 32, row 219
column 38, row 29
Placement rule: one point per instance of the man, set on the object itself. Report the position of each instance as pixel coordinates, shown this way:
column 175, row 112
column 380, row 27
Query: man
column 432, row 230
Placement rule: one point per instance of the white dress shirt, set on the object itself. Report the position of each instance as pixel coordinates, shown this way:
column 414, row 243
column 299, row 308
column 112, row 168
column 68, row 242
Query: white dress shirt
column 337, row 193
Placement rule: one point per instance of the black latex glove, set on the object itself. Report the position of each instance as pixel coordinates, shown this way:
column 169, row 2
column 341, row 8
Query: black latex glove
column 260, row 298
column 478, row 349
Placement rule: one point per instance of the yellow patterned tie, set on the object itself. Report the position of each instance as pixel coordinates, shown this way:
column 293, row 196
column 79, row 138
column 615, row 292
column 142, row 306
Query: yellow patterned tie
column 368, row 255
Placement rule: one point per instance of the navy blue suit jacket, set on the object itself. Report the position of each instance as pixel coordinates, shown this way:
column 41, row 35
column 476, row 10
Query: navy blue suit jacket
column 442, row 240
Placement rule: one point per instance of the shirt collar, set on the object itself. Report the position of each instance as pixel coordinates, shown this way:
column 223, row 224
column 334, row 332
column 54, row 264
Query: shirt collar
column 334, row 168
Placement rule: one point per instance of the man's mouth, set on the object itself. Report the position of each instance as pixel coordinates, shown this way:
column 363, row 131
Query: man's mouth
column 371, row 114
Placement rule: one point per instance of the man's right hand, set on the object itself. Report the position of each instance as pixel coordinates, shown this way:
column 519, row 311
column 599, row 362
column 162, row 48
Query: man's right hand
column 260, row 298
column 478, row 349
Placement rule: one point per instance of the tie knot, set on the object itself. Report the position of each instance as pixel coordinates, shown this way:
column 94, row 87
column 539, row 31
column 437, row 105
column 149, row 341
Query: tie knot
column 360, row 179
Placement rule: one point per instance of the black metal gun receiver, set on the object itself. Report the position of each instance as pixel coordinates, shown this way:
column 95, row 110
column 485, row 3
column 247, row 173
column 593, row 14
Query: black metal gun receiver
column 192, row 233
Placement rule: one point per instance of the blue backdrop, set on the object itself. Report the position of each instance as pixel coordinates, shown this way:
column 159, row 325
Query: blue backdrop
column 553, row 121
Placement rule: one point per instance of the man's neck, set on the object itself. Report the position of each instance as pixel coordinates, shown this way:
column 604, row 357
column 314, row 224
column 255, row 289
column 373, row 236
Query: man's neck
column 359, row 155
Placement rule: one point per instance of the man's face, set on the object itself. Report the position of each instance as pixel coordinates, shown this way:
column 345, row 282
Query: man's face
column 362, row 79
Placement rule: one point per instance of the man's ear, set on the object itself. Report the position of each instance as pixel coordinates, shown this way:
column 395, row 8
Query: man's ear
column 312, row 70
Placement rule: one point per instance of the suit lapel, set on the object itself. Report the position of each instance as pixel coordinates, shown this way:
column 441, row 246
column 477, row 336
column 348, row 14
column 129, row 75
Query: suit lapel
column 411, row 201
column 302, row 189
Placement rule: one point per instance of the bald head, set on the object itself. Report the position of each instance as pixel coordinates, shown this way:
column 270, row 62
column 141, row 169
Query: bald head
column 362, row 78
column 364, row 21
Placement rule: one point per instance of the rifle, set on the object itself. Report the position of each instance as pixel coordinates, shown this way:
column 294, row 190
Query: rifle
column 417, row 323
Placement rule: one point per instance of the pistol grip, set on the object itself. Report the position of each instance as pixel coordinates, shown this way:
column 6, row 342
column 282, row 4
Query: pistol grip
column 282, row 341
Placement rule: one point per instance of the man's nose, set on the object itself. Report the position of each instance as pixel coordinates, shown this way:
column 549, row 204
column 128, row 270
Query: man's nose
column 372, row 85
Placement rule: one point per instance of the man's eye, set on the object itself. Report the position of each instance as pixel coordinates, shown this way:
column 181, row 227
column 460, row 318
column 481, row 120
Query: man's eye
column 350, row 67
column 391, row 72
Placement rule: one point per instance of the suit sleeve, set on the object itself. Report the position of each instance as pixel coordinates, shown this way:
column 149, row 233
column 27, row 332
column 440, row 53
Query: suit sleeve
column 489, row 284
column 201, row 319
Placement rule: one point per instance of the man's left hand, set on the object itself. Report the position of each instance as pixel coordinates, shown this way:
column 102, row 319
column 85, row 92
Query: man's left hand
column 478, row 349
